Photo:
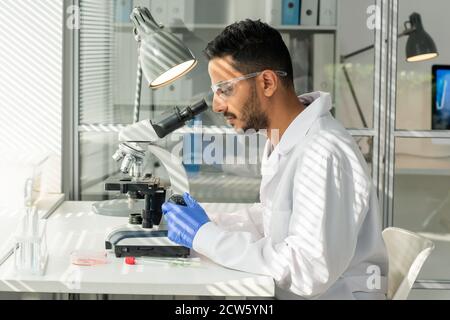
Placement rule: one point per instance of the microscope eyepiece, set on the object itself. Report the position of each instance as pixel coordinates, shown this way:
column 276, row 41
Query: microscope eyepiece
column 179, row 118
column 198, row 108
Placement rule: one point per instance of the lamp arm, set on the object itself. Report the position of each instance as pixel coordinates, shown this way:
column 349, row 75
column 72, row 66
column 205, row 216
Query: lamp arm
column 406, row 32
column 347, row 76
column 354, row 53
column 353, row 93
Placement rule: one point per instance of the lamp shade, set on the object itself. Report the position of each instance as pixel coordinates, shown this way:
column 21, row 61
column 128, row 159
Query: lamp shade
column 163, row 57
column 420, row 46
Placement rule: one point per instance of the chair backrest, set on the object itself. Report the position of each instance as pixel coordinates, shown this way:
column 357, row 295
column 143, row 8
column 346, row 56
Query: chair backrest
column 407, row 252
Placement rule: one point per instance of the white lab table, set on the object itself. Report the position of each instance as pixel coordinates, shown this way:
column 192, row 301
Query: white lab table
column 73, row 226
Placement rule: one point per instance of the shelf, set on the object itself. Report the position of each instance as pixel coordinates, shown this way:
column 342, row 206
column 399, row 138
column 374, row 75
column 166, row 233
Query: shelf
column 410, row 165
column 306, row 28
column 422, row 171
column 202, row 26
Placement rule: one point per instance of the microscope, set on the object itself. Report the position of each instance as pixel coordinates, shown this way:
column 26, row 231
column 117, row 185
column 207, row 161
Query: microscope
column 145, row 235
column 162, row 58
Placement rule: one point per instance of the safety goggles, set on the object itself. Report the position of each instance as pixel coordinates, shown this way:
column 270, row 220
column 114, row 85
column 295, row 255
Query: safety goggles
column 225, row 89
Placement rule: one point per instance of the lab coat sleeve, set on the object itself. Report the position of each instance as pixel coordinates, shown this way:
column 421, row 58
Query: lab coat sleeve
column 248, row 219
column 330, row 200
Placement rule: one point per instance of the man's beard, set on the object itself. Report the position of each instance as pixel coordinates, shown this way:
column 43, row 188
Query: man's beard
column 253, row 117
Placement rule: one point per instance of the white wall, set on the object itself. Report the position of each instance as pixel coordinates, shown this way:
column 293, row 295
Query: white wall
column 241, row 10
column 31, row 82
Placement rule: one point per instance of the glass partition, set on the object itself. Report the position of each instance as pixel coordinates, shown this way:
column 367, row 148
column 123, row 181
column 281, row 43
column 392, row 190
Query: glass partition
column 422, row 197
column 422, row 147
column 323, row 55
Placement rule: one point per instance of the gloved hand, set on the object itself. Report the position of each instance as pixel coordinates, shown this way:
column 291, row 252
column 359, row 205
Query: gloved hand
column 184, row 221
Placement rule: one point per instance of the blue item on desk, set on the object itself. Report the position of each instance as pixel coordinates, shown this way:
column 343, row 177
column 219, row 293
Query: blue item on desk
column 184, row 221
column 291, row 12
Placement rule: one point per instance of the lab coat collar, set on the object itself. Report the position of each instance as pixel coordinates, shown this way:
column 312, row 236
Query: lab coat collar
column 317, row 105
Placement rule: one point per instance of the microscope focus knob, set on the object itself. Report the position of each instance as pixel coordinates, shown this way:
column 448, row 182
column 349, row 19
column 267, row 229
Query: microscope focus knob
column 177, row 199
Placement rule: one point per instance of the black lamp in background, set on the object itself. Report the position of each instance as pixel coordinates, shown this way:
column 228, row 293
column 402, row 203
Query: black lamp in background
column 419, row 47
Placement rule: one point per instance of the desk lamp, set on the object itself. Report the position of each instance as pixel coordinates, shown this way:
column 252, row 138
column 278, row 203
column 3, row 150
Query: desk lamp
column 162, row 56
column 419, row 47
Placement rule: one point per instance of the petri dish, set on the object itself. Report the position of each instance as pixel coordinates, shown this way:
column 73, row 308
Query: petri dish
column 88, row 258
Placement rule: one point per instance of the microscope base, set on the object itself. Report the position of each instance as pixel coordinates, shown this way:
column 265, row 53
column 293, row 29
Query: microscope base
column 151, row 251
column 144, row 243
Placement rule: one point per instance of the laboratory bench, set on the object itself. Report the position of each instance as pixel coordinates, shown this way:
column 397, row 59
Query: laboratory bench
column 74, row 226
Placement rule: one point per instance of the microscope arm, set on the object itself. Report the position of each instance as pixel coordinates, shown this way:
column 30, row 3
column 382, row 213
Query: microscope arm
column 140, row 132
column 174, row 167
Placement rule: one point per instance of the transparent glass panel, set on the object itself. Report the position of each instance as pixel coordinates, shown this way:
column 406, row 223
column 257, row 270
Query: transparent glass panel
column 108, row 70
column 220, row 167
column 96, row 163
column 355, row 31
column 315, row 51
column 415, row 101
column 422, row 197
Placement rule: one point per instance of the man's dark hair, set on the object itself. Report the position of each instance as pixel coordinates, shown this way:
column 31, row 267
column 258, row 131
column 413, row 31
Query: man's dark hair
column 254, row 46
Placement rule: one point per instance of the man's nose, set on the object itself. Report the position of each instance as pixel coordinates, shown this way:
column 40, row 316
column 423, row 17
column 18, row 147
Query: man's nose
column 219, row 105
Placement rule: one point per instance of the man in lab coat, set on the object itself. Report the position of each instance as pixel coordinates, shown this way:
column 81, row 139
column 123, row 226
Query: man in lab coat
column 316, row 230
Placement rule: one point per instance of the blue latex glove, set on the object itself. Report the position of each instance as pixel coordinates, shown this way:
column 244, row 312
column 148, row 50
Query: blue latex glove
column 184, row 222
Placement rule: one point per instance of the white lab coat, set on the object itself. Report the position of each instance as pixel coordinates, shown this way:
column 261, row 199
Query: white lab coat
column 317, row 229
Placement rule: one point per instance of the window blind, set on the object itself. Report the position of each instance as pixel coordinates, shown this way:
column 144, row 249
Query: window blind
column 96, row 61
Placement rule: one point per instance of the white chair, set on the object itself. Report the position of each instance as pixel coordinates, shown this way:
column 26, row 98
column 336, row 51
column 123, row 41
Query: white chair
column 407, row 252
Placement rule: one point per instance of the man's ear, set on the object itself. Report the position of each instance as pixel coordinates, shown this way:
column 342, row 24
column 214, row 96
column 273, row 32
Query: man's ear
column 269, row 83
